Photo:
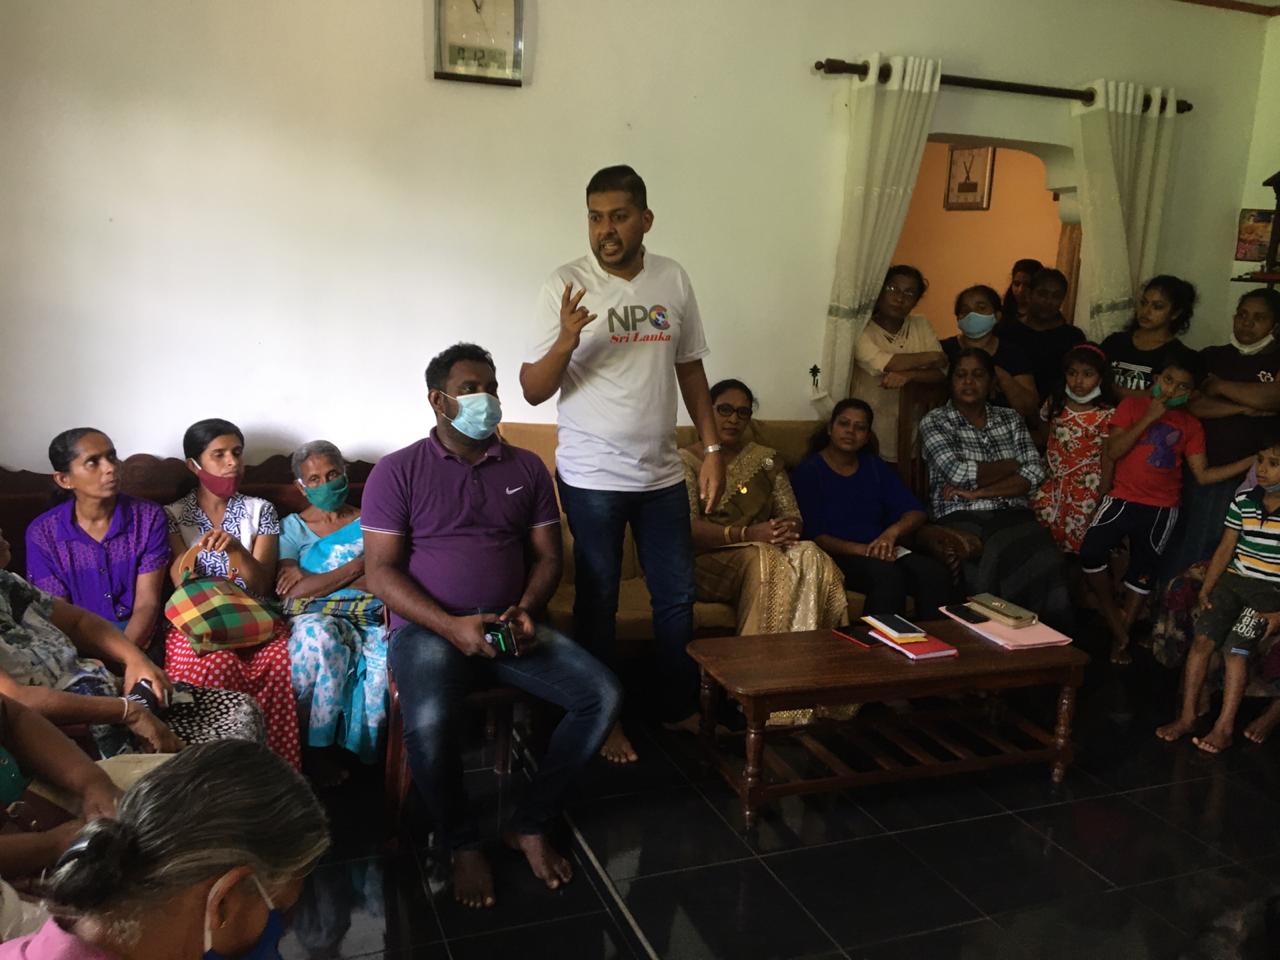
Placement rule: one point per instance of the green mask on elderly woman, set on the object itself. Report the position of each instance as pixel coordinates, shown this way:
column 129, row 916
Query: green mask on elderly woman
column 329, row 496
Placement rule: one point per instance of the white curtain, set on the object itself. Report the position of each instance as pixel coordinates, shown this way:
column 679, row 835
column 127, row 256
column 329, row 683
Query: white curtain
column 888, row 126
column 1122, row 153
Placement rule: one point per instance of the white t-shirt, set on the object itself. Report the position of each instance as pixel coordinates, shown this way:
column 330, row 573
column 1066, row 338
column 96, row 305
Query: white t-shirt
column 617, row 406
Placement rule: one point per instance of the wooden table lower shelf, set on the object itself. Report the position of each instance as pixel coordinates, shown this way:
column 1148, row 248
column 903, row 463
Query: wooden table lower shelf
column 798, row 670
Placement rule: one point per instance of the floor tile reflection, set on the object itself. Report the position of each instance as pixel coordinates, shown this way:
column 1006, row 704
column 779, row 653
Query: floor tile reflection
column 1196, row 902
column 1122, row 841
column 730, row 910
column 926, row 804
column 1232, row 818
column 1000, row 863
column 361, row 907
column 797, row 821
column 657, row 831
column 978, row 940
column 593, row 937
column 1103, row 927
column 870, row 890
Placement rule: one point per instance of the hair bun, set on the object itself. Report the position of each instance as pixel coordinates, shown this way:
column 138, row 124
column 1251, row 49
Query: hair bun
column 95, row 867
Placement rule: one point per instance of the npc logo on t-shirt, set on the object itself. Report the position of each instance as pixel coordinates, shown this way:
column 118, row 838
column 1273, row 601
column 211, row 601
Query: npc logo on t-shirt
column 631, row 324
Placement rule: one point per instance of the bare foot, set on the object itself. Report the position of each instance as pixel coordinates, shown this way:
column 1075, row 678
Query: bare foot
column 1213, row 741
column 472, row 879
column 1261, row 729
column 544, row 860
column 617, row 748
column 1174, row 731
column 1120, row 655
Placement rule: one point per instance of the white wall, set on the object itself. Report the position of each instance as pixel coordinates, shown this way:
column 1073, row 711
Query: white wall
column 268, row 211
column 1264, row 147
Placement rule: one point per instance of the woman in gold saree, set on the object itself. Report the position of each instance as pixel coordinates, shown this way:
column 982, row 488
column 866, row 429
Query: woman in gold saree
column 749, row 551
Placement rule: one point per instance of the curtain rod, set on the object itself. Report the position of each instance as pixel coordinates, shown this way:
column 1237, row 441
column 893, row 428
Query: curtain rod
column 831, row 65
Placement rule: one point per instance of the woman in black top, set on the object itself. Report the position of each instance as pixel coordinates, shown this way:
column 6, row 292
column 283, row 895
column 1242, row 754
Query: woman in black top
column 1018, row 295
column 1164, row 311
column 1044, row 333
column 1237, row 405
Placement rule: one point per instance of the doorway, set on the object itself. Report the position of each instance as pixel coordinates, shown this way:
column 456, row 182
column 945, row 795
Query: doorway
column 958, row 248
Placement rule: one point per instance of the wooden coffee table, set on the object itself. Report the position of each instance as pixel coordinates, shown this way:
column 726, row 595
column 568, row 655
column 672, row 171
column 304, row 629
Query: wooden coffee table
column 798, row 670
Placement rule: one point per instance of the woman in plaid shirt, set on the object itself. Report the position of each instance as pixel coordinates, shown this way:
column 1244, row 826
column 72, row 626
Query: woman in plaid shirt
column 983, row 466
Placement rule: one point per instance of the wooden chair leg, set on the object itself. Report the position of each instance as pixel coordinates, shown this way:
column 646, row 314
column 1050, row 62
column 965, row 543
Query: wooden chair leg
column 396, row 782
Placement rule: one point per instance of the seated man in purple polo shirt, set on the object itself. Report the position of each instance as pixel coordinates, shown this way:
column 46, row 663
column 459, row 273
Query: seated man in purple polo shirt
column 448, row 524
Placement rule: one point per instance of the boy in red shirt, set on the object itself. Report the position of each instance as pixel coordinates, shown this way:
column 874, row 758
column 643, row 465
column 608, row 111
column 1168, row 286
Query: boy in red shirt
column 1149, row 440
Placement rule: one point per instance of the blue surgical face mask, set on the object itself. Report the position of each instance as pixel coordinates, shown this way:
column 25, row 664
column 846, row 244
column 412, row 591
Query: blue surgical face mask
column 1271, row 487
column 478, row 415
column 975, row 326
column 267, row 946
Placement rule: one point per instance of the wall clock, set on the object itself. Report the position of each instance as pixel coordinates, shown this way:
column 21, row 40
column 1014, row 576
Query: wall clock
column 969, row 172
column 480, row 41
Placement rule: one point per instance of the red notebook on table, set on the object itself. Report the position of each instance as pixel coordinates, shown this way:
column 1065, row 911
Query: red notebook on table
column 926, row 648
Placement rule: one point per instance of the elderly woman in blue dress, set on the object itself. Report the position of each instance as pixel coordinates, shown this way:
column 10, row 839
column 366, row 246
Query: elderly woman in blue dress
column 337, row 639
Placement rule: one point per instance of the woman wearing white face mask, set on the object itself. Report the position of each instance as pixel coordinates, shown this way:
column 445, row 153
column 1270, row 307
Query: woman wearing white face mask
column 1238, row 405
column 977, row 313
column 207, row 850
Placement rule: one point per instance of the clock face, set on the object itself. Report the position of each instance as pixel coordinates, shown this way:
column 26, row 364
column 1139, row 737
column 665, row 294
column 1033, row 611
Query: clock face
column 969, row 173
column 480, row 40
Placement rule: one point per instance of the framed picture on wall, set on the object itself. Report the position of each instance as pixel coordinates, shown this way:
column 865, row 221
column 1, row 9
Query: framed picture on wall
column 969, row 171
column 1254, row 235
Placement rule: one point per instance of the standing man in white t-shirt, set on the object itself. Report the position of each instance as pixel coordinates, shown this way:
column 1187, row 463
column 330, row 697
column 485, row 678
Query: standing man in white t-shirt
column 617, row 331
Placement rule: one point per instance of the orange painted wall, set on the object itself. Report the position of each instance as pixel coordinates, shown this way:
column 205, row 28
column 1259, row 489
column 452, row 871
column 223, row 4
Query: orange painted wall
column 957, row 248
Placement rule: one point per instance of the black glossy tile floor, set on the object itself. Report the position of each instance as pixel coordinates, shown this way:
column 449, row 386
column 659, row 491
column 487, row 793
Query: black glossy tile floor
column 1148, row 850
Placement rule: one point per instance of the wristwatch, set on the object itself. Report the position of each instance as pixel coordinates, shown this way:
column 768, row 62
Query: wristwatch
column 711, row 448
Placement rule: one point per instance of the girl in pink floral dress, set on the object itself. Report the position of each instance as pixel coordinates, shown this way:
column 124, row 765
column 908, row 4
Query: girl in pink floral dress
column 1078, row 414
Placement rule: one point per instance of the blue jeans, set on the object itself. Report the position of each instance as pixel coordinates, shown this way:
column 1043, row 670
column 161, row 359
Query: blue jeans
column 659, row 522
column 434, row 678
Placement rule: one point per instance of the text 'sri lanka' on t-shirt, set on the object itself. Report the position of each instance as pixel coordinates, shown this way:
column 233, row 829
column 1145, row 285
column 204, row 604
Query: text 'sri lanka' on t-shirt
column 1151, row 472
column 617, row 407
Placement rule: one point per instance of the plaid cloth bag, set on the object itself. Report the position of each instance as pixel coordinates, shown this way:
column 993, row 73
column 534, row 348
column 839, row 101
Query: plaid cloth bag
column 214, row 613
column 365, row 611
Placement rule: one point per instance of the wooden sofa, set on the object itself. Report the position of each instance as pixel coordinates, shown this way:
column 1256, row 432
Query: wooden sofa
column 24, row 495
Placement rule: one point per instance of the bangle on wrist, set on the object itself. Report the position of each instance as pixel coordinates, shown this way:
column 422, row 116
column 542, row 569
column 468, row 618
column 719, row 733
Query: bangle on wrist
column 124, row 717
column 727, row 530
column 711, row 448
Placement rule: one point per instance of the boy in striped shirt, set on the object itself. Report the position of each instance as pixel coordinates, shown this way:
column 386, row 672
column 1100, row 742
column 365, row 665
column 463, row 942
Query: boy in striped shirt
column 1240, row 587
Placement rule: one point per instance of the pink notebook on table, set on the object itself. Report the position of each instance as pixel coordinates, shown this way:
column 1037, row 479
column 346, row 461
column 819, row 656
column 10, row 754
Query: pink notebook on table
column 1015, row 638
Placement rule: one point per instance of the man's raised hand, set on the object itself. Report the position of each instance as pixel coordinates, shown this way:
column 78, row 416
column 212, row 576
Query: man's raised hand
column 573, row 316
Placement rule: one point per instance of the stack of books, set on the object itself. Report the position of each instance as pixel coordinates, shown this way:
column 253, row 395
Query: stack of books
column 909, row 640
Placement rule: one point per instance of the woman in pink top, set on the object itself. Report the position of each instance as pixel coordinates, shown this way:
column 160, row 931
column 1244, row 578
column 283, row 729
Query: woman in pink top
column 206, row 851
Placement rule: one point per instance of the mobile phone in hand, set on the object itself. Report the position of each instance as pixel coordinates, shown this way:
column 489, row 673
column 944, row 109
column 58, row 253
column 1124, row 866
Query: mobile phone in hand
column 501, row 637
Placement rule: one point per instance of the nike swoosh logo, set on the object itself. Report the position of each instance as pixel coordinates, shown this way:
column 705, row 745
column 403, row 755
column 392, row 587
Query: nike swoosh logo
column 511, row 490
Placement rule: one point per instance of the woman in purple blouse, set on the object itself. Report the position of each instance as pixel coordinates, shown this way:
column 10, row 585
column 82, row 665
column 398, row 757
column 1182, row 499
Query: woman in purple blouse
column 100, row 549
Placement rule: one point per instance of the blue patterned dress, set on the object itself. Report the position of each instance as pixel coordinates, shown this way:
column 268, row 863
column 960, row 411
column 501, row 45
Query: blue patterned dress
column 338, row 668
